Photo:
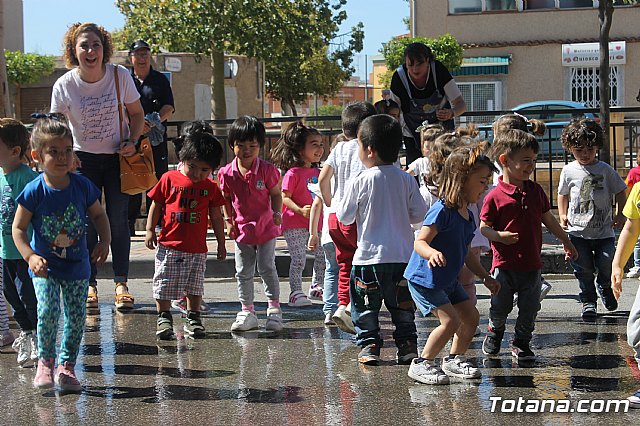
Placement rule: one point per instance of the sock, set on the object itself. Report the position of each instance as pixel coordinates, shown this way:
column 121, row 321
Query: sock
column 249, row 308
column 274, row 303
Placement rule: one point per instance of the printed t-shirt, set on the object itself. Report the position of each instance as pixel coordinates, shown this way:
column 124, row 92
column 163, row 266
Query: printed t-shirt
column 186, row 210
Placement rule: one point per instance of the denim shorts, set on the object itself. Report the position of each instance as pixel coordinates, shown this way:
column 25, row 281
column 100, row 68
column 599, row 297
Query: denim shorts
column 428, row 299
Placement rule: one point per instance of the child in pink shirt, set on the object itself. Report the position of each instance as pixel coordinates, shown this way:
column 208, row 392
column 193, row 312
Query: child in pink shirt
column 299, row 149
column 253, row 214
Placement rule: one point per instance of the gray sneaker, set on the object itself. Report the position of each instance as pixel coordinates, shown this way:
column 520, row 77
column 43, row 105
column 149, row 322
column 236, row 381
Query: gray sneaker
column 193, row 325
column 427, row 373
column 460, row 367
column 164, row 326
column 274, row 319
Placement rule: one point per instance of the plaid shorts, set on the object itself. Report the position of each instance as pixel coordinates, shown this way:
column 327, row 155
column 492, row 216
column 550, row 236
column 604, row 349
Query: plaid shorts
column 178, row 273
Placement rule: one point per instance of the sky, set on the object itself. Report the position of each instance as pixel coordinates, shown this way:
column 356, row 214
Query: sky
column 45, row 22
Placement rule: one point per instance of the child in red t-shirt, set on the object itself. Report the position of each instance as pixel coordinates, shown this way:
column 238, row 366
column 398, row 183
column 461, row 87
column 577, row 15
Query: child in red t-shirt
column 186, row 199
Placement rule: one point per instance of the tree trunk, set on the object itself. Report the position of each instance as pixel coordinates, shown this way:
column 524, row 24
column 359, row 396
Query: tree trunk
column 5, row 105
column 218, row 101
column 605, row 15
column 290, row 107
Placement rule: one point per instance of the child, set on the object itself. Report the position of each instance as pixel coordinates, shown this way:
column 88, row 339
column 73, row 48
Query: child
column 632, row 177
column 511, row 219
column 186, row 199
column 515, row 121
column 332, row 269
column 343, row 163
column 428, row 134
column 190, row 128
column 383, row 201
column 253, row 213
column 297, row 153
column 440, row 250
column 626, row 242
column 387, row 106
column 56, row 204
column 18, row 288
column 585, row 189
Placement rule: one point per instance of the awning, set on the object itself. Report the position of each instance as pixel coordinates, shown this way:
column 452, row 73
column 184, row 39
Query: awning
column 483, row 65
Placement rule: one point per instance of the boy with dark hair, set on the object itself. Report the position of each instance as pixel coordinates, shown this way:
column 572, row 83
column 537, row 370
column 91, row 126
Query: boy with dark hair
column 511, row 219
column 186, row 198
column 342, row 164
column 383, row 201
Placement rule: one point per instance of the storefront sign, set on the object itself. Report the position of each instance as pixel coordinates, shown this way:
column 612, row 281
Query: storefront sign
column 588, row 54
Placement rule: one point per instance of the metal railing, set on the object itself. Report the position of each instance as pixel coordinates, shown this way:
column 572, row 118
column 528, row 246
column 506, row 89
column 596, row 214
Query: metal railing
column 625, row 138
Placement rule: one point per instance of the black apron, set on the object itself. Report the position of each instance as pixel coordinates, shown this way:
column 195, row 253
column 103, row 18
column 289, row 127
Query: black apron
column 421, row 110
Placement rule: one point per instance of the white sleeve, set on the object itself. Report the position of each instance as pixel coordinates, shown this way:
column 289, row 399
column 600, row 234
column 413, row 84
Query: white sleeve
column 417, row 206
column 347, row 210
column 451, row 90
column 129, row 92
column 57, row 100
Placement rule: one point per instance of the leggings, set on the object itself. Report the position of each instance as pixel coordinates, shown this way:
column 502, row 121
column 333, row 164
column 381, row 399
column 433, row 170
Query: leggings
column 4, row 318
column 74, row 296
column 297, row 239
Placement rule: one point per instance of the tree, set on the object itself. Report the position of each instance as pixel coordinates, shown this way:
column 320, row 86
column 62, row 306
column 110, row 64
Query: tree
column 445, row 48
column 266, row 30
column 605, row 16
column 27, row 68
column 296, row 74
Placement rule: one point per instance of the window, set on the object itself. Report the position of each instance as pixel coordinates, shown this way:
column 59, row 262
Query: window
column 500, row 4
column 584, row 85
column 539, row 4
column 481, row 96
column 572, row 4
column 465, row 6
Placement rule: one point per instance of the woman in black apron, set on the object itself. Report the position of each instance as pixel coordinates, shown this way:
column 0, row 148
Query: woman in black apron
column 425, row 91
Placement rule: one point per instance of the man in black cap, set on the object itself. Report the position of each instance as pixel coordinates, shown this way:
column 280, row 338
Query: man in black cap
column 155, row 96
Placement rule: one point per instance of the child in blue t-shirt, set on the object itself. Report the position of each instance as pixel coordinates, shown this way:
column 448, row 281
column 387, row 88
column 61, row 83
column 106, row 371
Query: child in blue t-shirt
column 440, row 250
column 56, row 205
column 18, row 288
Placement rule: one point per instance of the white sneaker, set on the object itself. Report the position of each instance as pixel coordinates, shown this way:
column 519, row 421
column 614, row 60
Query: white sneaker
column 460, row 367
column 634, row 272
column 328, row 320
column 180, row 305
column 22, row 345
column 34, row 347
column 245, row 321
column 427, row 373
column 274, row 319
column 545, row 288
column 634, row 400
column 315, row 292
column 343, row 320
column 298, row 299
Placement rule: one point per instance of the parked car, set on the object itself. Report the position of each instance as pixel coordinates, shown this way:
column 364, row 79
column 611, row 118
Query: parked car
column 551, row 113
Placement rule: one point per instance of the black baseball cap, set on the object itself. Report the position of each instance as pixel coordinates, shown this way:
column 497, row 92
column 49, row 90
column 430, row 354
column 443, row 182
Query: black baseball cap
column 138, row 44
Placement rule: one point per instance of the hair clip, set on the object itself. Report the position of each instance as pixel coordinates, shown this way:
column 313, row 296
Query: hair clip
column 41, row 115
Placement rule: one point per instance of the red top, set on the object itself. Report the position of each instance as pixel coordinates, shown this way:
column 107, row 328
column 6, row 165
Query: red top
column 633, row 176
column 186, row 212
column 508, row 208
column 295, row 181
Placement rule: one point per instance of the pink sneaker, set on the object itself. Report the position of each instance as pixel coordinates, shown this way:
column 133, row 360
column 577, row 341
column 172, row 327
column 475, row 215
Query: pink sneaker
column 66, row 377
column 44, row 375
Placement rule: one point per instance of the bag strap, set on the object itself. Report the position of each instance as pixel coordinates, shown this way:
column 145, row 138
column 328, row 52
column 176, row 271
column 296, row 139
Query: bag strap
column 115, row 74
column 403, row 78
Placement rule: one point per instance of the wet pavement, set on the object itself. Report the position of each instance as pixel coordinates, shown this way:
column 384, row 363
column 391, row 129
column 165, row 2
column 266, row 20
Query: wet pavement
column 308, row 374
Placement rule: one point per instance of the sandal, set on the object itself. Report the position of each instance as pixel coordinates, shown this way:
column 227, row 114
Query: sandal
column 124, row 301
column 92, row 297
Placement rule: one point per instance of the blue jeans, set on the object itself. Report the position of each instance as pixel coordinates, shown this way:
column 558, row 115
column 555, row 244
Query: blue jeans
column 593, row 265
column 19, row 291
column 527, row 285
column 369, row 286
column 104, row 171
column 330, row 291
